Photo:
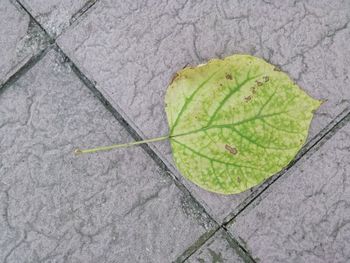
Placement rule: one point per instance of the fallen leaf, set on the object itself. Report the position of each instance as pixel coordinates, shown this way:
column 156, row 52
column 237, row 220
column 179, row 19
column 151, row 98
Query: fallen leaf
column 235, row 122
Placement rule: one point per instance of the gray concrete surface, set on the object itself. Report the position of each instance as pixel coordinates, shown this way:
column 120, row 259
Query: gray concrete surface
column 133, row 205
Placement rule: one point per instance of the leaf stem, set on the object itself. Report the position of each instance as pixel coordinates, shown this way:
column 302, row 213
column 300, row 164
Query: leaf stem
column 117, row 146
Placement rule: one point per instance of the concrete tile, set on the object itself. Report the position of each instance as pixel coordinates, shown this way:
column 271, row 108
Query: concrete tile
column 20, row 40
column 56, row 15
column 305, row 215
column 218, row 248
column 58, row 207
column 132, row 50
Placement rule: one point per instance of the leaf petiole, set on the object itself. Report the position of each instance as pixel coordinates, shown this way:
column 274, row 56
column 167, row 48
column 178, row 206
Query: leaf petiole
column 116, row 146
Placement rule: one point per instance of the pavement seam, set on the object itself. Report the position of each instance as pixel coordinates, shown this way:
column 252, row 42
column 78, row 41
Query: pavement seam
column 73, row 20
column 51, row 39
column 76, row 16
column 25, row 68
column 239, row 249
column 196, row 245
column 246, row 256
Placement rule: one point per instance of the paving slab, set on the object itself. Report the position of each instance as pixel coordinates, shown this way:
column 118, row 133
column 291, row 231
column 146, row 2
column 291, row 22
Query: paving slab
column 20, row 40
column 219, row 248
column 132, row 50
column 58, row 207
column 56, row 15
column 305, row 215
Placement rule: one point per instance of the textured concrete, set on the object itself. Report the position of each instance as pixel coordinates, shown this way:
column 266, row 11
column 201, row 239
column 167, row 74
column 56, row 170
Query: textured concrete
column 125, row 206
column 20, row 39
column 306, row 216
column 56, row 15
column 131, row 51
column 57, row 207
column 218, row 249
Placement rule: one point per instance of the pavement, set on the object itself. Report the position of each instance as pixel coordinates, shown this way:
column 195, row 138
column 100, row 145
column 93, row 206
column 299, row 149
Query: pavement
column 92, row 72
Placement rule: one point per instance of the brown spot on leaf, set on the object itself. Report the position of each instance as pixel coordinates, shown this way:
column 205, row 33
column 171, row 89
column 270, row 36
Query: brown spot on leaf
column 248, row 98
column 266, row 78
column 258, row 83
column 174, row 77
column 238, row 179
column 228, row 76
column 230, row 149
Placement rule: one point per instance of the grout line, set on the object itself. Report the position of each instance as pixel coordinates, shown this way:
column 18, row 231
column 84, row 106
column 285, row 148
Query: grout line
column 25, row 68
column 81, row 12
column 34, row 58
column 313, row 145
column 235, row 245
column 242, row 251
column 196, row 245
column 51, row 40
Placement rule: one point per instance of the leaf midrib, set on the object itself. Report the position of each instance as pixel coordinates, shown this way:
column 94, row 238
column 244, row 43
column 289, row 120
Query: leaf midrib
column 229, row 125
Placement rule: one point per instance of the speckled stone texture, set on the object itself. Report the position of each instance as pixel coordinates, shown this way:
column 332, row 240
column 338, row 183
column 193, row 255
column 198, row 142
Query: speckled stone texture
column 218, row 248
column 20, row 39
column 132, row 49
column 305, row 216
column 56, row 15
column 56, row 207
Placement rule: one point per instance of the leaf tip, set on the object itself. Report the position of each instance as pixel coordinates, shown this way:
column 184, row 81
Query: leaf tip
column 322, row 101
column 319, row 103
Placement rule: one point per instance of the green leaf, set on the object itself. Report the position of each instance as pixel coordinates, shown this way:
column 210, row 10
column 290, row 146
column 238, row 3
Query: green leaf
column 235, row 122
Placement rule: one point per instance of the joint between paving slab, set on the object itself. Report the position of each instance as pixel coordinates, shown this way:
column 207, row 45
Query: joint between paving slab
column 241, row 251
column 25, row 68
column 82, row 11
column 51, row 40
column 34, row 58
column 196, row 245
column 244, row 254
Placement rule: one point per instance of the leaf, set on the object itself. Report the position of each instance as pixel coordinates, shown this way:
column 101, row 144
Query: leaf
column 235, row 122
